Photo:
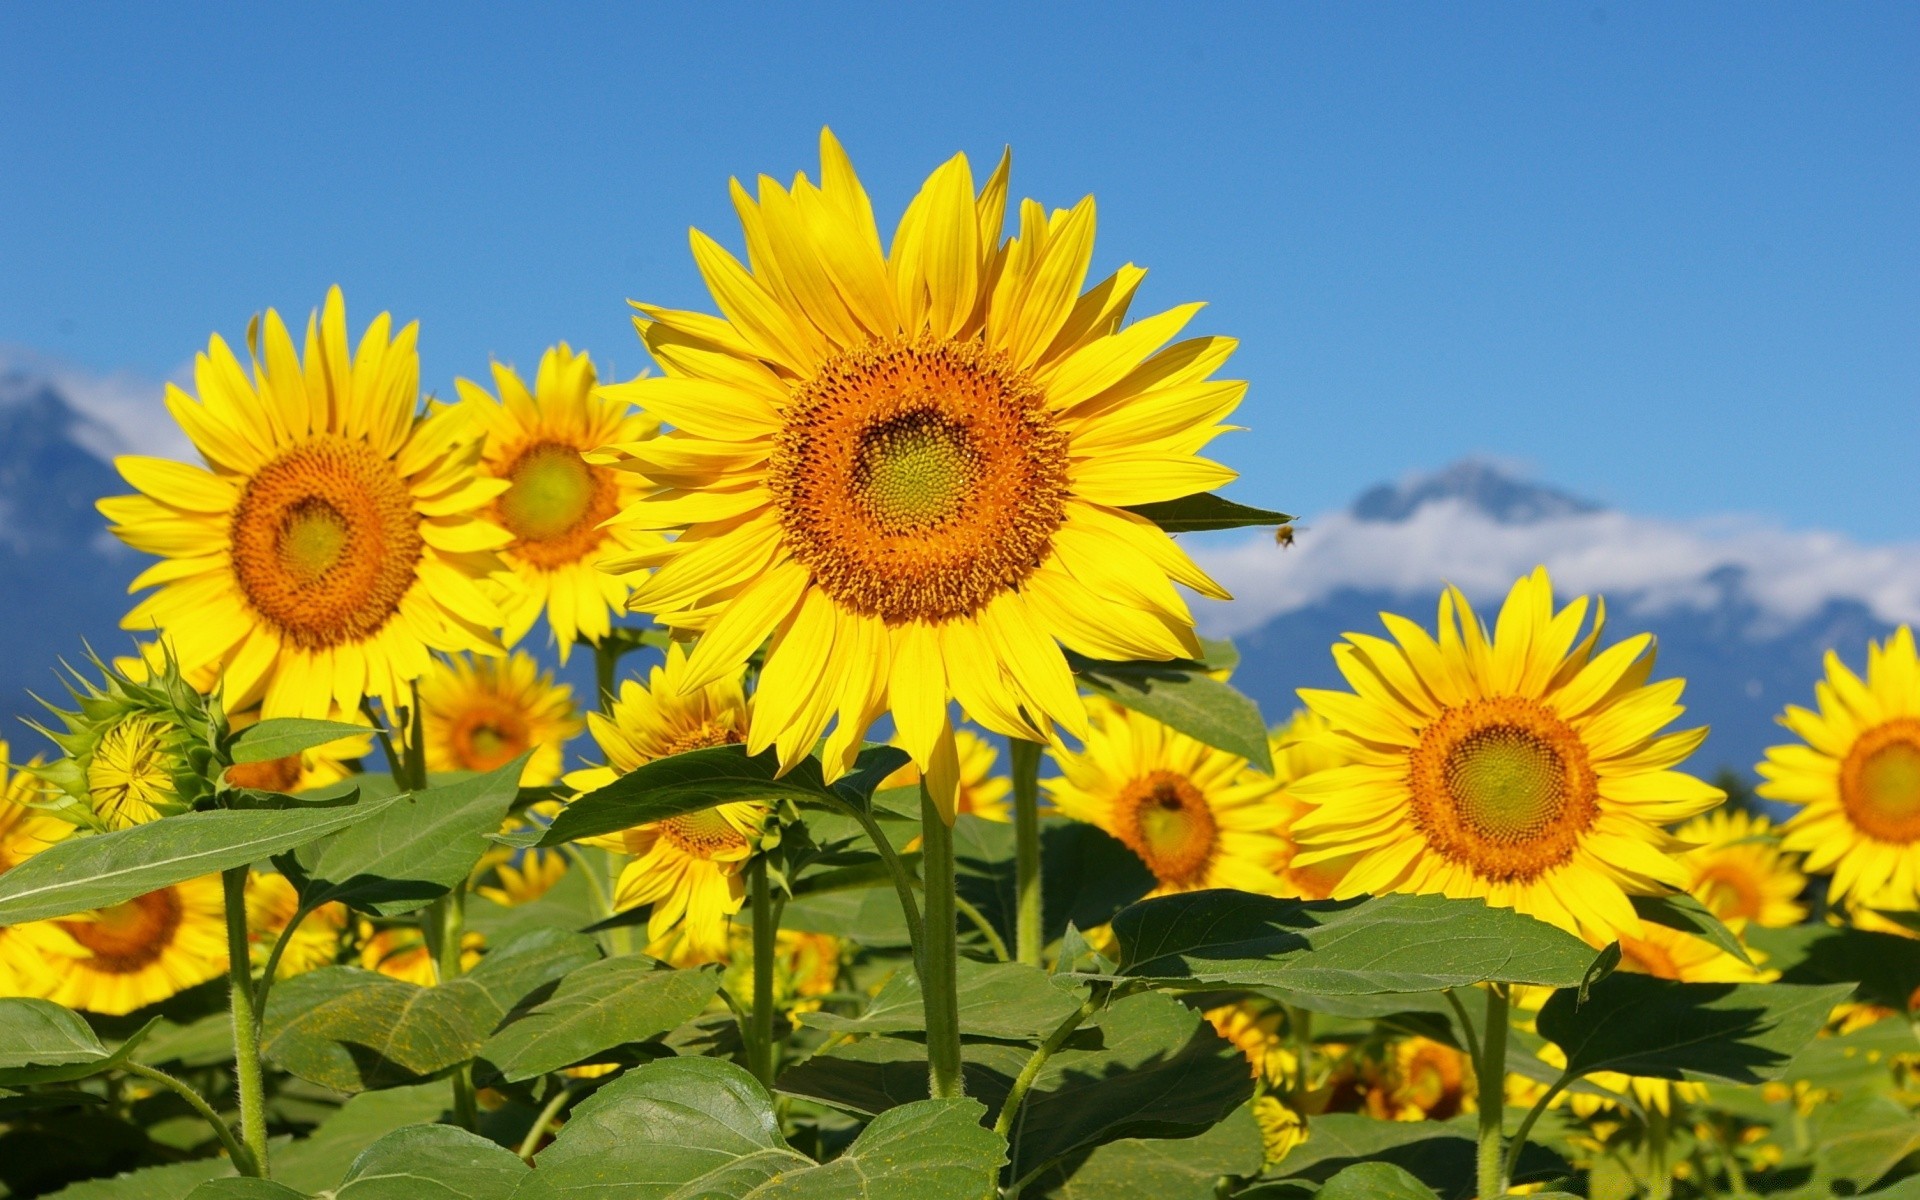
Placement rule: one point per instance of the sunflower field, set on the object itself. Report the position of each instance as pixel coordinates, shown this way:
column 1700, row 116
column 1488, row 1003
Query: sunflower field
column 912, row 845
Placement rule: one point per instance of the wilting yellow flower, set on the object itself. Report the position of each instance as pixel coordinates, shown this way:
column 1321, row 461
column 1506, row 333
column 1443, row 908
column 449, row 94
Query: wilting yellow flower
column 1522, row 767
column 687, row 867
column 401, row 951
column 335, row 535
column 980, row 791
column 1198, row 817
column 142, row 951
column 1258, row 1029
column 24, row 832
column 1281, row 1128
column 1856, row 777
column 481, row 714
column 271, row 903
column 910, row 468
column 557, row 502
column 1739, row 870
column 1304, row 745
column 303, row 772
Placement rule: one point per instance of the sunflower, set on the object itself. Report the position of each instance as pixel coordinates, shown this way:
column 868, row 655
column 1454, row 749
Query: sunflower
column 128, row 743
column 1258, row 1029
column 806, row 967
column 1856, row 777
column 1418, row 1079
column 481, row 714
column 980, row 791
column 688, row 867
column 302, row 772
column 1304, row 745
column 401, row 951
column 1197, row 817
column 557, row 502
column 1739, row 871
column 1282, row 1128
column 271, row 903
column 334, row 536
column 1521, row 766
column 911, row 468
column 24, row 832
column 142, row 951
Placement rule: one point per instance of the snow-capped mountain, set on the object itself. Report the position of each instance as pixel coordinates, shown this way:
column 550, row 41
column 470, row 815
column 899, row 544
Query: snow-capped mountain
column 1742, row 608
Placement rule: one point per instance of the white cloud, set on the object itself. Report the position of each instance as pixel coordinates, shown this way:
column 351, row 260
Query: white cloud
column 1643, row 562
column 123, row 412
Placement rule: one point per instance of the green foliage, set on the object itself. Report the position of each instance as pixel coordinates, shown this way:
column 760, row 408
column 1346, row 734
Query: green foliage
column 283, row 736
column 596, row 1008
column 1181, row 694
column 997, row 1000
column 1206, row 511
column 39, row 1033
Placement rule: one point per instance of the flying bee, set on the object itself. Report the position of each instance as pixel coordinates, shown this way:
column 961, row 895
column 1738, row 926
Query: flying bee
column 1283, row 535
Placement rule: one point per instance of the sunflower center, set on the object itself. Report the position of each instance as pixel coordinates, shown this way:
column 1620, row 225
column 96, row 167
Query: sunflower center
column 555, row 503
column 704, row 834
column 489, row 737
column 130, row 776
column 1166, row 820
column 917, row 479
column 128, row 937
column 273, row 775
column 1503, row 787
column 700, row 737
column 1880, row 781
column 1730, row 893
column 325, row 542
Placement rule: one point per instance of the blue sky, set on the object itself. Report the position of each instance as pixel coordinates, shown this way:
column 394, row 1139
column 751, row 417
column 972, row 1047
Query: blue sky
column 1666, row 255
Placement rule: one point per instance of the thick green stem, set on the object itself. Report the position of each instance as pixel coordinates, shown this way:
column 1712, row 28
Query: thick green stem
column 543, row 1122
column 247, row 1072
column 765, row 939
column 395, row 767
column 1029, row 939
column 236, row 1150
column 940, row 953
column 1491, row 1071
column 988, row 933
column 1659, row 1172
column 896, row 870
column 1003, row 1124
column 1519, row 1142
column 1730, row 1155
column 446, row 936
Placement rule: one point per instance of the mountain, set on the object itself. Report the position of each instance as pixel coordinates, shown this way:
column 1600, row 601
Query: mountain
column 1743, row 610
column 62, row 576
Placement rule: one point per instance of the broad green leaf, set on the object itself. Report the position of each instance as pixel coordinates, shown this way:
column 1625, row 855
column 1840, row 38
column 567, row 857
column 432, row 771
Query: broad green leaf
column 997, row 1000
column 40, row 1033
column 1682, row 912
column 870, row 917
column 206, row 1042
column 1204, row 511
column 354, row 1030
column 1854, row 1061
column 1146, row 1067
column 1715, row 1032
column 519, row 965
column 241, row 1188
column 15, row 1077
column 609, row 1003
column 105, row 869
column 1181, row 694
column 317, row 1162
column 433, row 1162
column 1157, row 1168
column 415, row 850
column 1860, row 1138
column 1439, row 1154
column 1086, row 875
column 699, row 1127
column 1375, row 1181
column 1394, row 943
column 1883, row 967
column 279, row 737
column 175, row 1181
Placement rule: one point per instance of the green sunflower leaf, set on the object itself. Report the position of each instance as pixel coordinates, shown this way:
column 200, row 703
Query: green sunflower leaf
column 1157, row 1168
column 1205, row 511
column 1859, row 1139
column 1682, row 912
column 1710, row 1032
column 605, row 1004
column 105, row 869
column 1375, row 1181
column 1440, row 1154
column 1372, row 945
column 997, row 1000
column 433, row 1162
column 40, row 1033
column 1181, row 694
column 702, row 1127
column 279, row 737
column 175, row 1181
column 242, row 1188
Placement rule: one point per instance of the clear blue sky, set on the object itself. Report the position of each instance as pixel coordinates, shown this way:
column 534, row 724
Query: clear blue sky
column 1667, row 254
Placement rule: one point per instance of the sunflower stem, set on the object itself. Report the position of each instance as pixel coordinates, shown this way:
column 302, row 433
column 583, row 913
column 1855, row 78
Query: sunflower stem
column 242, row 1157
column 544, row 1121
column 765, row 936
column 1659, row 1173
column 606, row 664
column 1491, row 1071
column 1029, row 928
column 1017, row 1094
column 247, row 1073
column 446, row 934
column 940, row 953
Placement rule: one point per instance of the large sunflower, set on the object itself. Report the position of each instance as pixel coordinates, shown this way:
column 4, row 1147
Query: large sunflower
column 1738, row 870
column 334, row 536
column 910, row 467
column 557, row 502
column 481, row 714
column 142, row 951
column 1521, row 766
column 687, row 868
column 1856, row 777
column 1197, row 817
